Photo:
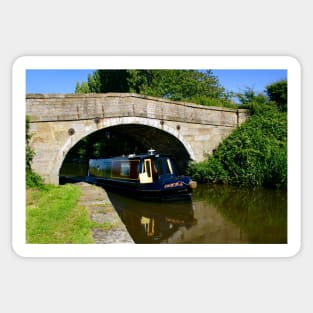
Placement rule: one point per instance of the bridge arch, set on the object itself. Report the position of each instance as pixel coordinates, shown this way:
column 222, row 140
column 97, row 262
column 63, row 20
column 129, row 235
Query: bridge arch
column 59, row 121
column 149, row 133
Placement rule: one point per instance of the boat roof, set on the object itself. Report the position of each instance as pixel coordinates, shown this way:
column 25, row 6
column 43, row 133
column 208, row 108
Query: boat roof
column 148, row 155
column 151, row 154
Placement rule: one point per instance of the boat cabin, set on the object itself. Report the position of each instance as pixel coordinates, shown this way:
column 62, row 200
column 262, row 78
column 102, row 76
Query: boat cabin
column 145, row 168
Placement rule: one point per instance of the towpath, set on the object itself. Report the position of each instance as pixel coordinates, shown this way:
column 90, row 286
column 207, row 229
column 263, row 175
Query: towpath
column 101, row 211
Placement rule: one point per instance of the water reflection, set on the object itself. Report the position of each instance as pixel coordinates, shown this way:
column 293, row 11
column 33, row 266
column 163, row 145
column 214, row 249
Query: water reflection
column 217, row 214
column 152, row 222
column 260, row 214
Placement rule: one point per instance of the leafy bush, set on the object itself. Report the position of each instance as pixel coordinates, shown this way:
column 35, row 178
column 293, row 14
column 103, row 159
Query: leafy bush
column 254, row 155
column 33, row 180
column 210, row 170
column 278, row 94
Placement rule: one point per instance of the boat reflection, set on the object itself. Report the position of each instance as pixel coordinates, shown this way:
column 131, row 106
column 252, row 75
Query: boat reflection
column 152, row 222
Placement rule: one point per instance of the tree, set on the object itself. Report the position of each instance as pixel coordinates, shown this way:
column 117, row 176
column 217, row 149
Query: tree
column 94, row 83
column 105, row 81
column 249, row 96
column 112, row 80
column 181, row 85
column 83, row 88
column 277, row 93
column 176, row 84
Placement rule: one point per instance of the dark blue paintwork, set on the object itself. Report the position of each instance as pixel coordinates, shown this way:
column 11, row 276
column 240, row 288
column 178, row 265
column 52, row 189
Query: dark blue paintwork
column 124, row 174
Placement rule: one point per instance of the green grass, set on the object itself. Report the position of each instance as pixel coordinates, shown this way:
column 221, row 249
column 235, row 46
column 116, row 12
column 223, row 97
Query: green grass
column 53, row 216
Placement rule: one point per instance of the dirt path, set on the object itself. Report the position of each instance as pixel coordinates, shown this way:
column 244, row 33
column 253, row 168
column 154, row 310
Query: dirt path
column 101, row 211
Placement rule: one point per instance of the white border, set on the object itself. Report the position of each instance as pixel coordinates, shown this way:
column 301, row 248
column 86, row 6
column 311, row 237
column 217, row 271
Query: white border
column 156, row 62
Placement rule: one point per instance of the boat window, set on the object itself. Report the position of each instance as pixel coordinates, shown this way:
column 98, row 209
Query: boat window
column 148, row 167
column 134, row 169
column 106, row 170
column 100, row 168
column 160, row 166
column 116, row 166
column 168, row 167
column 154, row 170
column 125, row 169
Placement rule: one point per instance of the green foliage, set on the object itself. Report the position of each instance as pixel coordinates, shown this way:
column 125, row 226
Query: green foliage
column 112, row 80
column 33, row 180
column 278, row 94
column 94, row 83
column 29, row 157
column 181, row 85
column 249, row 97
column 177, row 85
column 254, row 155
column 29, row 151
column 217, row 102
column 83, row 88
column 210, row 170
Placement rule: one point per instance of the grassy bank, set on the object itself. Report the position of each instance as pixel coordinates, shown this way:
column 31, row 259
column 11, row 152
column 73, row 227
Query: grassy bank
column 54, row 216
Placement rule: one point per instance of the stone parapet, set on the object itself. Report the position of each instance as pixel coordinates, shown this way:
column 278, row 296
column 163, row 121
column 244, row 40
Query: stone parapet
column 68, row 107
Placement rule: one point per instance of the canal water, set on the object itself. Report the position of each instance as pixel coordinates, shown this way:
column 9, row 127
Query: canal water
column 216, row 214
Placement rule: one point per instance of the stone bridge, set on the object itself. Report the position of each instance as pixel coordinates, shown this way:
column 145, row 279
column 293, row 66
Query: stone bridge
column 60, row 121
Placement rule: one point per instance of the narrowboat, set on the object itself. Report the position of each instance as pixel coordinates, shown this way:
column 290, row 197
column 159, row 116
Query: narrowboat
column 146, row 176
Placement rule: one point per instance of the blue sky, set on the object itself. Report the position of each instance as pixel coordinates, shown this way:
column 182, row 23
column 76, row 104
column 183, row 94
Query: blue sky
column 64, row 81
column 240, row 80
column 54, row 81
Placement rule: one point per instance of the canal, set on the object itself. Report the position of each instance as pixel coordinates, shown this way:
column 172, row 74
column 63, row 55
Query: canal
column 216, row 214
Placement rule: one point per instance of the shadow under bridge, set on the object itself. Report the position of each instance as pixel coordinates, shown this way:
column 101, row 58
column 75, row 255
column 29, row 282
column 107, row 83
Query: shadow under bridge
column 118, row 140
column 145, row 137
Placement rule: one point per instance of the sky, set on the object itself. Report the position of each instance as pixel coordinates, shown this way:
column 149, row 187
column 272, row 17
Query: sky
column 64, row 81
column 240, row 80
column 54, row 81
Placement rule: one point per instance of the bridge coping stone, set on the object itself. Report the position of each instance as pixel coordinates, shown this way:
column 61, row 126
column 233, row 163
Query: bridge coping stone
column 56, row 107
column 55, row 96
